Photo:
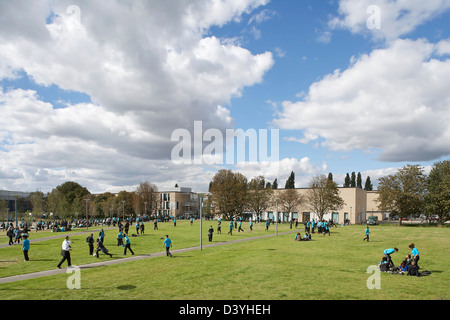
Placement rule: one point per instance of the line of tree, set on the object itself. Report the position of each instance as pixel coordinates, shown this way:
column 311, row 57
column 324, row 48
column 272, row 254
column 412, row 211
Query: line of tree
column 232, row 195
column 410, row 192
column 355, row 181
column 68, row 200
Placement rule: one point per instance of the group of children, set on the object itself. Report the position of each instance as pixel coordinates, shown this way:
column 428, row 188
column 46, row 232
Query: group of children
column 408, row 266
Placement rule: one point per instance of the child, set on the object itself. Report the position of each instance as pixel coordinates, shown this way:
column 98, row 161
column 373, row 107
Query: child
column 414, row 253
column 168, row 245
column 367, row 234
column 387, row 254
column 298, row 237
column 25, row 247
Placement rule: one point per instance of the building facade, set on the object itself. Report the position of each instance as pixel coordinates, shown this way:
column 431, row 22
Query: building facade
column 178, row 202
column 359, row 204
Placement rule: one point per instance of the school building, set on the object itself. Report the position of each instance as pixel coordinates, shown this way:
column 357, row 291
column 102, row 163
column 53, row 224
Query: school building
column 178, row 202
column 359, row 205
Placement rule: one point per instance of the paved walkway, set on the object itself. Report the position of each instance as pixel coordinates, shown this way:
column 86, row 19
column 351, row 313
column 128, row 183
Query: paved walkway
column 47, row 273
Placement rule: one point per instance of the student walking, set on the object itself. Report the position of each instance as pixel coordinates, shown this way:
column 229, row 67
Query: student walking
column 127, row 245
column 367, row 234
column 142, row 227
column 25, row 247
column 174, row 222
column 65, row 252
column 251, row 225
column 231, row 228
column 219, row 226
column 240, row 227
column 168, row 244
column 267, row 225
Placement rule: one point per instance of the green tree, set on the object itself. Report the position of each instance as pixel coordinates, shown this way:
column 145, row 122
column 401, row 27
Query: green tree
column 290, row 182
column 229, row 193
column 403, row 193
column 67, row 199
column 353, row 180
column 259, row 196
column 37, row 203
column 437, row 200
column 368, row 185
column 359, row 180
column 347, row 181
column 275, row 184
column 323, row 196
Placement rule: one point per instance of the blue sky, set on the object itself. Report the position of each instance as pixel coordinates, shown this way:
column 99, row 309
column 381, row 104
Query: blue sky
column 92, row 94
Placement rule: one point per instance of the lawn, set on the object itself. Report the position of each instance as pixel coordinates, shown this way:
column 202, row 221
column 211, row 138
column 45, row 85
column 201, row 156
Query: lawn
column 274, row 268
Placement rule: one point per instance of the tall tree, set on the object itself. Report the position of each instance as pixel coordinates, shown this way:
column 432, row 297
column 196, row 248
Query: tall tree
column 290, row 200
column 437, row 200
column 347, row 181
column 403, row 193
column 67, row 199
column 353, row 180
column 259, row 196
column 146, row 192
column 359, row 180
column 368, row 185
column 290, row 182
column 323, row 196
column 229, row 193
column 37, row 201
column 275, row 184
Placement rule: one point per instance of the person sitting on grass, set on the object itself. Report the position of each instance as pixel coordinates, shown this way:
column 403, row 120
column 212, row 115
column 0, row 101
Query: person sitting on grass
column 298, row 237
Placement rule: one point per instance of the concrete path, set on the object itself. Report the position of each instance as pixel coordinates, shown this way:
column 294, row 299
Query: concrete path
column 47, row 273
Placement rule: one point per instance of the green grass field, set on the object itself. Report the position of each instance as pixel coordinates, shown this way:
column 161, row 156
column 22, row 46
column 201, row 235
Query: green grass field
column 274, row 268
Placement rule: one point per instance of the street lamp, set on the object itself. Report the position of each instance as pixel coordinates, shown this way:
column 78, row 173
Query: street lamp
column 276, row 209
column 87, row 217
column 123, row 209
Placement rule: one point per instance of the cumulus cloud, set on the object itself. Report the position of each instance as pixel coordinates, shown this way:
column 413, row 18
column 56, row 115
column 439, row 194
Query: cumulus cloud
column 394, row 101
column 148, row 67
column 397, row 18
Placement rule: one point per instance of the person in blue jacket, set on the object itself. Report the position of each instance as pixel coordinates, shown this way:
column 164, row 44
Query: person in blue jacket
column 25, row 247
column 168, row 245
column 127, row 245
column 414, row 253
column 388, row 253
column 367, row 234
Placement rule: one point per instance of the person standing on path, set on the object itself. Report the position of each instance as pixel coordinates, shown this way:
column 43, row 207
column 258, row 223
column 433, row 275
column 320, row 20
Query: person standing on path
column 127, row 245
column 25, row 247
column 168, row 245
column 65, row 252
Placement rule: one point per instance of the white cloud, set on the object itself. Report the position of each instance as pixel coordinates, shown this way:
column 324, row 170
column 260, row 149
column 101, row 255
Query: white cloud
column 393, row 100
column 397, row 17
column 149, row 67
column 303, row 168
